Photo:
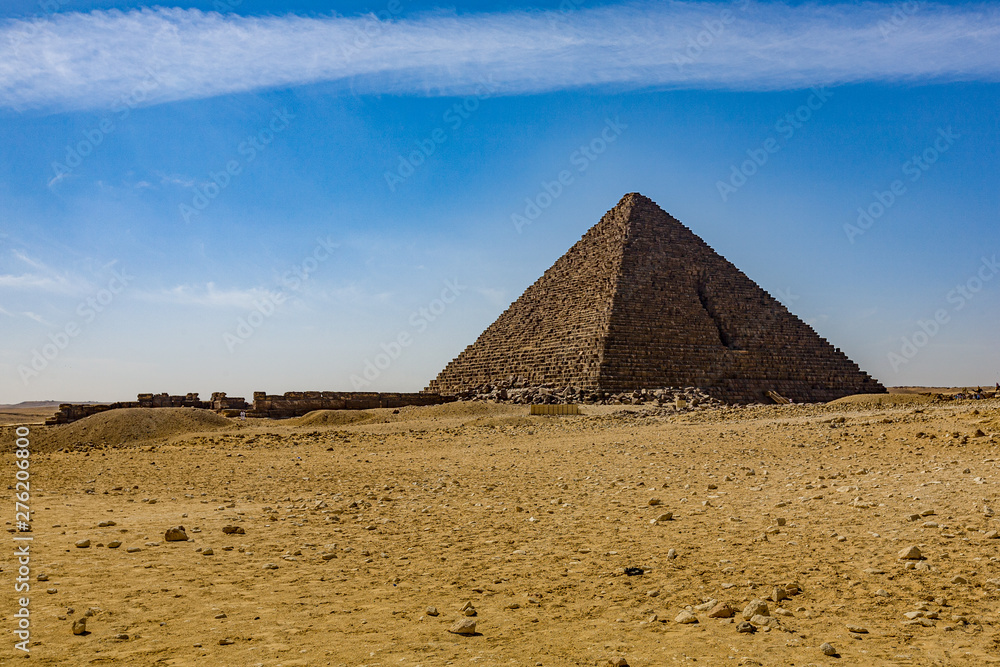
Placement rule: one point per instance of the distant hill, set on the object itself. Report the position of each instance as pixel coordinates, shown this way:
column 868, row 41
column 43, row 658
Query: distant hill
column 29, row 405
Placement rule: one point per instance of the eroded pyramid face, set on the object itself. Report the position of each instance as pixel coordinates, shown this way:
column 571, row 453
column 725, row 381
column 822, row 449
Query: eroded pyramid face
column 640, row 302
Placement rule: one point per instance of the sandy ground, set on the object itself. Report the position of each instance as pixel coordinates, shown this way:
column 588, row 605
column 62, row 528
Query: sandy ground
column 356, row 524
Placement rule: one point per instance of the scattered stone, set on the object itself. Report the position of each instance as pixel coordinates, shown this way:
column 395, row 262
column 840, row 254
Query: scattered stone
column 653, row 502
column 82, row 544
column 226, row 641
column 747, row 627
column 755, row 607
column 617, row 662
column 721, row 610
column 80, row 626
column 666, row 516
column 175, row 534
column 114, row 544
column 208, row 552
column 432, row 611
column 686, row 617
column 828, row 649
column 463, row 626
column 233, row 530
column 633, row 571
column 910, row 553
column 764, row 621
column 861, row 630
column 133, row 550
column 959, row 579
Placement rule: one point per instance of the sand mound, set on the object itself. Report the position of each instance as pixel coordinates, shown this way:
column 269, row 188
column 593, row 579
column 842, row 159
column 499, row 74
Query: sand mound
column 331, row 418
column 127, row 426
column 869, row 400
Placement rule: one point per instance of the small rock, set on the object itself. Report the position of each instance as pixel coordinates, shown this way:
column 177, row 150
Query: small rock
column 432, row 611
column 463, row 626
column 82, row 544
column 207, row 552
column 133, row 550
column 114, row 544
column 746, row 626
column 226, row 641
column 959, row 579
column 653, row 502
column 861, row 630
column 778, row 593
column 686, row 617
column 755, row 607
column 221, row 615
column 882, row 593
column 175, row 534
column 233, row 530
column 721, row 610
column 910, row 553
column 617, row 662
column 666, row 516
column 764, row 621
column 827, row 649
column 80, row 626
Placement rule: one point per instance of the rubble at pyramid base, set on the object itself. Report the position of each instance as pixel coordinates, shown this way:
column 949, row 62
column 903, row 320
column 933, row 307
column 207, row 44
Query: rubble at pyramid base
column 516, row 391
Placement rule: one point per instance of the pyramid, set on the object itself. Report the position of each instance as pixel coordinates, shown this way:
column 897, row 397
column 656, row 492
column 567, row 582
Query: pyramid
column 640, row 302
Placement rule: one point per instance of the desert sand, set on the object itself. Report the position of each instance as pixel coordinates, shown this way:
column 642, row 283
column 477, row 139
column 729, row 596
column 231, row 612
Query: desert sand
column 355, row 524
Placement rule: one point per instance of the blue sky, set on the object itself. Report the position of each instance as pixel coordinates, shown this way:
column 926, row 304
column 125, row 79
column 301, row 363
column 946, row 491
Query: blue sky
column 272, row 197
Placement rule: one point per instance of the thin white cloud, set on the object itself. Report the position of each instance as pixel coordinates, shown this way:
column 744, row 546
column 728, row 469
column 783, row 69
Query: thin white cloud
column 36, row 317
column 107, row 58
column 41, row 278
column 207, row 295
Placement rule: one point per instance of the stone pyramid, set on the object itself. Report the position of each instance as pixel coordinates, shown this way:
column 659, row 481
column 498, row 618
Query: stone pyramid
column 640, row 302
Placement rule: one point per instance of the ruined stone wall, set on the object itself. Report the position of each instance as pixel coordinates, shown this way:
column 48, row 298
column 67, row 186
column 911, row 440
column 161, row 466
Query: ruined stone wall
column 298, row 403
column 289, row 404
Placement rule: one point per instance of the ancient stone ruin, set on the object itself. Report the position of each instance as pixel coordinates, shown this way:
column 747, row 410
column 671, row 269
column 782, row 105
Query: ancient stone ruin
column 640, row 302
column 266, row 406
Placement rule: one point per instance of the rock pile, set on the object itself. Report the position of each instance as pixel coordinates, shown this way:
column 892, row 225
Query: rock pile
column 517, row 391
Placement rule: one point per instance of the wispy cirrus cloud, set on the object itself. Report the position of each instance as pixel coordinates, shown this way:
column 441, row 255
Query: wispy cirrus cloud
column 207, row 295
column 80, row 61
column 41, row 278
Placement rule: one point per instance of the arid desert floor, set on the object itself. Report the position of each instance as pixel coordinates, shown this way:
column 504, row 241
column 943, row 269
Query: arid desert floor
column 355, row 524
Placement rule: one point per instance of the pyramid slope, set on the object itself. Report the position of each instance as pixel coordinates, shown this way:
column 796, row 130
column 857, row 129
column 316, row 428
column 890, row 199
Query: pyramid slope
column 555, row 331
column 642, row 302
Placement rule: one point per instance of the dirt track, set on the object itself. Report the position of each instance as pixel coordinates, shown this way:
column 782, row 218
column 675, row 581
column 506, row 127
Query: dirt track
column 533, row 520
